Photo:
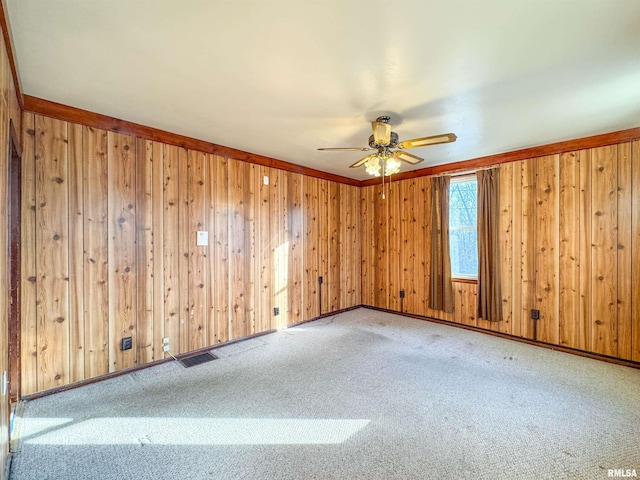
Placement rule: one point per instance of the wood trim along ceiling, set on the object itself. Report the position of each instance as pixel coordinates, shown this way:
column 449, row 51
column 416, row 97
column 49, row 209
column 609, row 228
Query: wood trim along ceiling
column 9, row 47
column 584, row 143
column 96, row 120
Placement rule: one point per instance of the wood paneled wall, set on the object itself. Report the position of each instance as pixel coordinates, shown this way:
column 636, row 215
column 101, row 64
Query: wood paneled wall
column 9, row 112
column 570, row 247
column 109, row 228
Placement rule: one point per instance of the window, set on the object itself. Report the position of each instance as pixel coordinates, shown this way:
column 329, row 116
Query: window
column 463, row 226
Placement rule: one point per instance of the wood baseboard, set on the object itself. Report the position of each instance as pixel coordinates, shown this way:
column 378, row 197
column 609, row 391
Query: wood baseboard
column 537, row 343
column 180, row 356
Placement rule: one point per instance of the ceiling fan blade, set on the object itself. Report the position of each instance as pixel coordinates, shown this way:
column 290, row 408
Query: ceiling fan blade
column 407, row 157
column 424, row 141
column 346, row 149
column 362, row 161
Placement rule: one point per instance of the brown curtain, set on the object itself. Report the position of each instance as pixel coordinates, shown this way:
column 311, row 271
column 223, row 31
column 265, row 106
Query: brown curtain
column 489, row 294
column 441, row 294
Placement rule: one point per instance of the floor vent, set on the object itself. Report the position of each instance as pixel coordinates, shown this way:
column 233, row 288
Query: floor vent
column 197, row 359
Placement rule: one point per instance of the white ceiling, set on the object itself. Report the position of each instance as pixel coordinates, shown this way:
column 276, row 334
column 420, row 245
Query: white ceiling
column 282, row 77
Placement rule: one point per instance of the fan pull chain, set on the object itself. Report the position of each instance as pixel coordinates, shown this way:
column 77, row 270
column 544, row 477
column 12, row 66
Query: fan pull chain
column 384, row 168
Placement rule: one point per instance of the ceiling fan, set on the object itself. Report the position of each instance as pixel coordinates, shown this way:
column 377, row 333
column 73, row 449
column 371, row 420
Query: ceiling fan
column 386, row 160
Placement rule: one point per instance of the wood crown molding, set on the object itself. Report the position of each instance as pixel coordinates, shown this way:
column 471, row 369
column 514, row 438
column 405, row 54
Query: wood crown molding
column 97, row 120
column 8, row 45
column 523, row 154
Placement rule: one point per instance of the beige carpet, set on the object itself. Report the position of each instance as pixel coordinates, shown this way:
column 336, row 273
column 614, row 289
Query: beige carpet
column 362, row 395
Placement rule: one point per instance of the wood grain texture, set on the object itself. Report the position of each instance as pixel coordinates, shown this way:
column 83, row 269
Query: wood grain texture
column 263, row 251
column 28, row 322
column 625, row 232
column 239, row 250
column 516, row 255
column 197, row 279
column 585, row 251
column 221, row 251
column 506, row 246
column 184, row 238
column 144, row 252
column 294, row 215
column 635, row 251
column 569, row 259
column 96, row 273
column 604, row 241
column 122, row 251
column 311, row 237
column 157, row 235
column 170, row 254
column 547, row 248
column 52, row 254
column 528, row 250
column 76, row 254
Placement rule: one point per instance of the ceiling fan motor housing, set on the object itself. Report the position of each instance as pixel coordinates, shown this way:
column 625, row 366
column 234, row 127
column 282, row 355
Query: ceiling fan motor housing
column 392, row 144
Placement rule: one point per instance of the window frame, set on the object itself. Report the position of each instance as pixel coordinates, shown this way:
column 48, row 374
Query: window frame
column 463, row 178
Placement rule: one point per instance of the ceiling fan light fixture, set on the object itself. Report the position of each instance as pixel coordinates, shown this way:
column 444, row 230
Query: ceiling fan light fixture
column 372, row 166
column 381, row 133
column 391, row 167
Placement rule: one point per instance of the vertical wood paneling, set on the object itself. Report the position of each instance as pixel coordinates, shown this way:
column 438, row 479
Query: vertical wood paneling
column 584, row 234
column 221, row 250
column 184, row 239
column 624, row 212
column 144, row 252
column 157, row 235
column 381, row 242
column 334, row 226
column 122, row 253
column 393, row 201
column 604, row 272
column 28, row 338
column 294, row 228
column 76, row 254
column 250, row 249
column 367, row 267
column 238, row 250
column 356, row 246
column 279, row 249
column 506, row 246
column 323, row 243
column 547, row 248
column 516, row 256
column 171, row 255
column 528, row 250
column 52, row 255
column 635, row 251
column 263, row 252
column 198, row 307
column 569, row 266
column 422, row 234
column 96, row 271
column 311, row 237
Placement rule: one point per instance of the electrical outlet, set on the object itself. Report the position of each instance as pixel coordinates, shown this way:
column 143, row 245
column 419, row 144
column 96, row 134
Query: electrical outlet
column 276, row 311
column 320, row 280
column 165, row 348
column 401, row 293
column 535, row 314
column 165, row 341
column 126, row 344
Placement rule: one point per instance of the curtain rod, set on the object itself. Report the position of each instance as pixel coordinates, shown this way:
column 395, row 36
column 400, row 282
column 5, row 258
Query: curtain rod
column 454, row 173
